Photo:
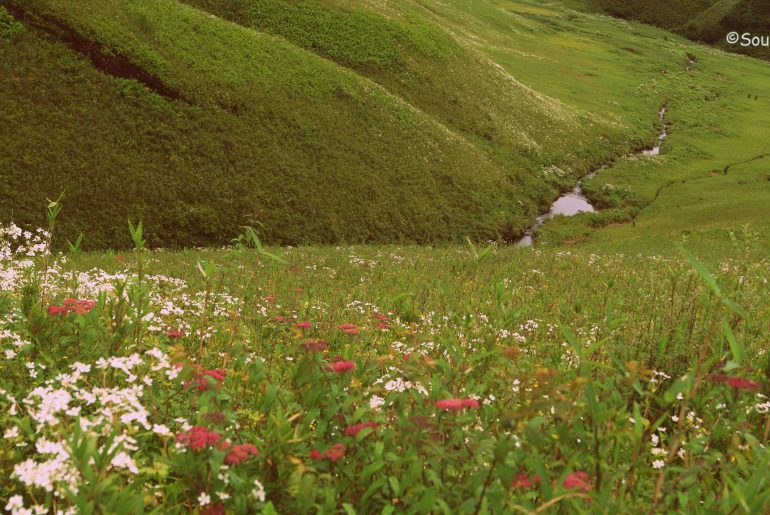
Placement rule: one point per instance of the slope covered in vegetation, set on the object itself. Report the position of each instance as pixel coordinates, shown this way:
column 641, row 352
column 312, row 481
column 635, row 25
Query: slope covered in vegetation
column 253, row 128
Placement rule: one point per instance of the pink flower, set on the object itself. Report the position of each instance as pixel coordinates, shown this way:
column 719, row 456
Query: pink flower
column 198, row 438
column 740, row 383
column 457, row 404
column 175, row 333
column 303, row 325
column 57, row 310
column 342, row 366
column 79, row 306
column 314, row 345
column 357, row 428
column 578, row 480
column 523, row 481
column 348, row 328
column 333, row 453
column 240, row 453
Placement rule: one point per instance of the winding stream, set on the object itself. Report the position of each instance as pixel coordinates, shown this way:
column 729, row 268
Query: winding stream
column 575, row 202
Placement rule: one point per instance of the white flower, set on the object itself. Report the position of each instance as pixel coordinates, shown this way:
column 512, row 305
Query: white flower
column 124, row 461
column 376, row 402
column 658, row 464
column 204, row 499
column 160, row 429
column 259, row 491
column 15, row 504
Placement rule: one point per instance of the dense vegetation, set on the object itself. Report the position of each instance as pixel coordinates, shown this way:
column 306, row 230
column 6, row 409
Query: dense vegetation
column 620, row 365
column 254, row 129
column 382, row 379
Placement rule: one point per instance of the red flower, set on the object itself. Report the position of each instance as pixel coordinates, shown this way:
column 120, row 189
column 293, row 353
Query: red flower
column 342, row 366
column 270, row 299
column 457, row 404
column 200, row 378
column 333, row 453
column 740, row 383
column 79, row 306
column 314, row 345
column 348, row 328
column 523, row 481
column 383, row 326
column 213, row 509
column 380, row 317
column 198, row 438
column 175, row 333
column 57, row 310
column 303, row 325
column 240, row 453
column 357, row 428
column 579, row 480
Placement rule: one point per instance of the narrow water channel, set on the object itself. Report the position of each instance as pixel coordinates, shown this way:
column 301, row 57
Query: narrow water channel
column 575, row 202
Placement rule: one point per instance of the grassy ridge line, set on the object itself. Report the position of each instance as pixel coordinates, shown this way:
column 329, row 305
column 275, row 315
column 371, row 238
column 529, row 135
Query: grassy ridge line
column 429, row 167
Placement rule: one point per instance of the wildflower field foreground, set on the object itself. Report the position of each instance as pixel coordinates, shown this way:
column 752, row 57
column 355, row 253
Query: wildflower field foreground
column 381, row 379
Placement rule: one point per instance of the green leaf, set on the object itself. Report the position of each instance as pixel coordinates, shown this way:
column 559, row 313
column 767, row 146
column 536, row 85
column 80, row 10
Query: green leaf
column 736, row 347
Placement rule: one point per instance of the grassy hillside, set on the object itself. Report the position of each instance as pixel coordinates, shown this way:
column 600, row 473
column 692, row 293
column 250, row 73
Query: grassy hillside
column 254, row 129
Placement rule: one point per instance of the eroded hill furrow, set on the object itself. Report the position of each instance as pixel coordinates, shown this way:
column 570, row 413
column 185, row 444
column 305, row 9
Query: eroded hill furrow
column 108, row 61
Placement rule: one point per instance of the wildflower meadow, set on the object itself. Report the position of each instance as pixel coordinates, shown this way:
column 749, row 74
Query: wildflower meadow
column 379, row 379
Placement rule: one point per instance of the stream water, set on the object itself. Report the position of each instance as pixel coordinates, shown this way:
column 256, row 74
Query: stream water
column 575, row 202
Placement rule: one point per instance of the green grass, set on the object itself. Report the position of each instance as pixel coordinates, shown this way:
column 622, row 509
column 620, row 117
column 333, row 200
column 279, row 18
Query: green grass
column 580, row 363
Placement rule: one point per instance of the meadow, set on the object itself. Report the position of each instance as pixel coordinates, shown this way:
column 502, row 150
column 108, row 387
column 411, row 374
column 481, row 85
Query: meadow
column 276, row 271
column 382, row 379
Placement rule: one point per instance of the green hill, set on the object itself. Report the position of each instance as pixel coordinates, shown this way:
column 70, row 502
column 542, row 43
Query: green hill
column 430, row 141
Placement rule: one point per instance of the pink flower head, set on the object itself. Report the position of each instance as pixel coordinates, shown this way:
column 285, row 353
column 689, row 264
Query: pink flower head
column 740, row 383
column 333, row 453
column 314, row 345
column 348, row 328
column 198, row 438
column 524, row 482
column 240, row 453
column 303, row 325
column 175, row 333
column 457, row 404
column 57, row 310
column 79, row 306
column 578, row 480
column 342, row 366
column 357, row 428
